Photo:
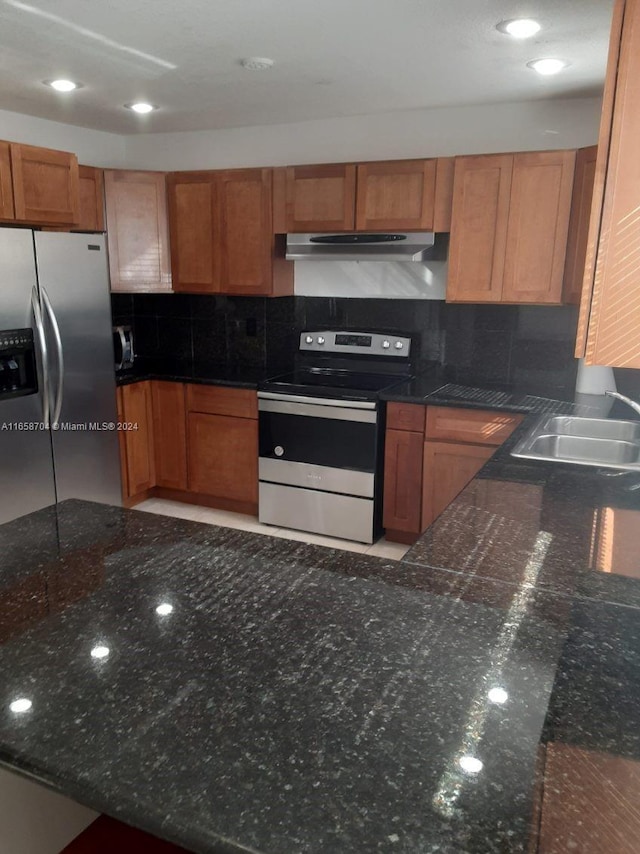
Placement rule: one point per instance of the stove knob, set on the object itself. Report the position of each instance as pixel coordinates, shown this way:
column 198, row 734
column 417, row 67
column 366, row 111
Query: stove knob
column 386, row 345
column 399, row 345
column 278, row 451
column 308, row 340
column 320, row 339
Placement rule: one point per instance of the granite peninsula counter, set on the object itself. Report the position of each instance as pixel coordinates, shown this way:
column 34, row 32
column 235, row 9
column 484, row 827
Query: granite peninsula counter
column 480, row 696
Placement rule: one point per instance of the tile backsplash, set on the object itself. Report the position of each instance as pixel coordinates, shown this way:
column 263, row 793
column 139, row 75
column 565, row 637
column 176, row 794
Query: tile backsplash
column 499, row 343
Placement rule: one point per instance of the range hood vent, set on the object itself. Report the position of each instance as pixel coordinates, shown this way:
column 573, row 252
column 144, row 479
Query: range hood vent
column 396, row 246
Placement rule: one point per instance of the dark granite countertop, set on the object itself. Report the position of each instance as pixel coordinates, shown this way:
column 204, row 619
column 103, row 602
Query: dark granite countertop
column 301, row 699
column 443, row 386
column 205, row 373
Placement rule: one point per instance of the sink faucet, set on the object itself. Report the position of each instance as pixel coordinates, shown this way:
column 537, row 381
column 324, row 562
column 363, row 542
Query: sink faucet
column 632, row 403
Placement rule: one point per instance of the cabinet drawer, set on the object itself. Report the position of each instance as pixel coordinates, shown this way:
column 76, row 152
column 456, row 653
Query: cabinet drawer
column 406, row 416
column 469, row 425
column 219, row 400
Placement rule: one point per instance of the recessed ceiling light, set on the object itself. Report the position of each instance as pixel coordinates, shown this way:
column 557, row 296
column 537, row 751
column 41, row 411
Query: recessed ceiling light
column 519, row 28
column 257, row 63
column 546, row 67
column 141, row 107
column 63, row 85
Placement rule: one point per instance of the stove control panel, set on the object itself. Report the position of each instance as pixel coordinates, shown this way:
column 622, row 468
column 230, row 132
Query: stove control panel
column 360, row 343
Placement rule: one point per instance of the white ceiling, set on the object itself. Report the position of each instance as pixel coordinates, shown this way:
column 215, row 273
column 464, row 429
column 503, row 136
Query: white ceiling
column 333, row 57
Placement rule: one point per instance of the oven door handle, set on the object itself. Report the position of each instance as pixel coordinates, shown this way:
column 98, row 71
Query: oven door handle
column 318, row 401
column 309, row 410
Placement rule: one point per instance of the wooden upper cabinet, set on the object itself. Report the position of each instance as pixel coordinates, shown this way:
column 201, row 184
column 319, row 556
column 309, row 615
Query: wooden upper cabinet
column 321, row 198
column 45, row 185
column 222, row 236
column 509, row 230
column 137, row 231
column 245, row 233
column 610, row 307
column 396, row 194
column 6, row 187
column 579, row 223
column 91, row 216
column 193, row 223
column 538, row 225
column 480, row 218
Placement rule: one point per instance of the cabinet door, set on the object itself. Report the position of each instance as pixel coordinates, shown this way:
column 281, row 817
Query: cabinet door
column 321, row 198
column 245, row 234
column 579, row 224
column 479, row 219
column 124, row 474
column 395, row 195
column 137, row 412
column 403, row 481
column 137, row 231
column 45, row 185
column 91, row 217
column 614, row 312
column 194, row 228
column 6, row 187
column 447, row 469
column 169, row 434
column 223, row 457
column 541, row 190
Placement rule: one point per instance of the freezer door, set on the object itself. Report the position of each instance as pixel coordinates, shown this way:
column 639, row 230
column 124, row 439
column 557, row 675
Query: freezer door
column 74, row 285
column 26, row 469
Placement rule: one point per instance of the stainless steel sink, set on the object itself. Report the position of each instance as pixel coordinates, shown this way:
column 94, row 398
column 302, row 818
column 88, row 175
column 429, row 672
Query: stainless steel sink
column 593, row 428
column 599, row 442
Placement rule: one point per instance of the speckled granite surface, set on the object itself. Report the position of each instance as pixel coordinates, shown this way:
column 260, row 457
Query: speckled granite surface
column 201, row 373
column 300, row 699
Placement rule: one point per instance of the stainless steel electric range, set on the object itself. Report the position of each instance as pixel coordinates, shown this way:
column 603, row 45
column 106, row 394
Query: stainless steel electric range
column 322, row 434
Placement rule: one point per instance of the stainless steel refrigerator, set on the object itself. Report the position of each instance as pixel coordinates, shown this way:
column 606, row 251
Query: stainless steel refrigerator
column 57, row 382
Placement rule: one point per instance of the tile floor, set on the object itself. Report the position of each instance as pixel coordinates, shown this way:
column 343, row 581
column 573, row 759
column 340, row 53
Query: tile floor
column 391, row 551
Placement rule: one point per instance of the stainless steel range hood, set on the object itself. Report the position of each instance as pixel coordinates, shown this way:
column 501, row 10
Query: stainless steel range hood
column 396, row 246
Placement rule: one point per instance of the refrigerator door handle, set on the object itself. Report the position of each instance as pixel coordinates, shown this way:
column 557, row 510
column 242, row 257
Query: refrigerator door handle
column 42, row 340
column 58, row 341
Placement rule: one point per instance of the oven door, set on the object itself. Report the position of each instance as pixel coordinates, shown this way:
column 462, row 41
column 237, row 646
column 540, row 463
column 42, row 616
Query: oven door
column 318, row 465
column 314, row 443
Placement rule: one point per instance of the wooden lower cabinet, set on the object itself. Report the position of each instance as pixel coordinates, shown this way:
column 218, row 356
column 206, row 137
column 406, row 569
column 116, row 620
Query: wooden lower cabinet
column 223, row 457
column 447, row 468
column 192, row 443
column 402, row 483
column 170, row 434
column 431, row 454
column 137, row 440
